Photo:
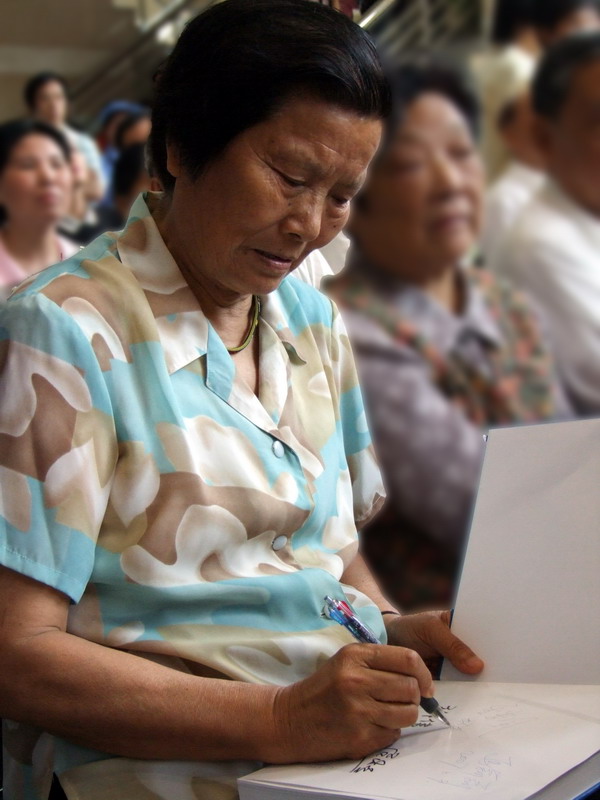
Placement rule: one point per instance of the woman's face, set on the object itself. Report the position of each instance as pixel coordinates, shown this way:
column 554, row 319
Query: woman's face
column 279, row 190
column 50, row 104
column 423, row 201
column 35, row 185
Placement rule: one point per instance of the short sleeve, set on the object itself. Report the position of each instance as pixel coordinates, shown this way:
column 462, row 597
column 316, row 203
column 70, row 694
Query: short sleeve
column 57, row 445
column 367, row 486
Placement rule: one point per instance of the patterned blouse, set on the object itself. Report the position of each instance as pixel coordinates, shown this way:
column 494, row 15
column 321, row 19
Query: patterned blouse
column 187, row 519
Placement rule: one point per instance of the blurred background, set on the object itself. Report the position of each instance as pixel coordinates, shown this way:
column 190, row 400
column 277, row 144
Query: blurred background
column 110, row 49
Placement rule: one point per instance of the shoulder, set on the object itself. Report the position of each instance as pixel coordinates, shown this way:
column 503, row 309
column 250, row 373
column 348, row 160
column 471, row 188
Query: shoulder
column 92, row 287
column 313, row 269
column 300, row 300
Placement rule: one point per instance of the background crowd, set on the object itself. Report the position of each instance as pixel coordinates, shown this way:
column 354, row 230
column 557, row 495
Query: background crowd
column 468, row 275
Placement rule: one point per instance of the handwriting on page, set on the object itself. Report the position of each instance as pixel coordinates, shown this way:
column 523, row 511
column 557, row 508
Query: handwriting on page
column 379, row 759
column 493, row 718
column 472, row 771
column 430, row 720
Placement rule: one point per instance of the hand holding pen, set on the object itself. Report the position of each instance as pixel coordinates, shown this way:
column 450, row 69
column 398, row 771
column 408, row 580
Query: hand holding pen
column 356, row 702
column 340, row 611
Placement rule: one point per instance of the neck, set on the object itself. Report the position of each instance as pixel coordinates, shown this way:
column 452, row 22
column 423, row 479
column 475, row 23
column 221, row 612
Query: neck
column 445, row 290
column 228, row 311
column 33, row 248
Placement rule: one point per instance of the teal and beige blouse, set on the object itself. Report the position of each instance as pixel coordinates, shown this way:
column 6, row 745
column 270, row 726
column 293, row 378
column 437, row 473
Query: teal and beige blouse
column 187, row 519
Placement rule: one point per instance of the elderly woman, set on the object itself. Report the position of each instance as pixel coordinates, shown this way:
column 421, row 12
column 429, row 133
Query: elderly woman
column 184, row 458
column 443, row 351
column 35, row 192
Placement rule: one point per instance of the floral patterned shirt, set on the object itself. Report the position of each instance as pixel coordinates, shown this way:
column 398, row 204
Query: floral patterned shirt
column 181, row 513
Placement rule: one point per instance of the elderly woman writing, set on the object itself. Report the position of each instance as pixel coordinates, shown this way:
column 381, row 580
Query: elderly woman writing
column 443, row 350
column 184, row 457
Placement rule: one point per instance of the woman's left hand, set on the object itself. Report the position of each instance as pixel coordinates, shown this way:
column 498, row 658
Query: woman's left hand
column 429, row 634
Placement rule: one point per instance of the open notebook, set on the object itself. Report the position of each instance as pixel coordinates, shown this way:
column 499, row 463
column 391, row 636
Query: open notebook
column 529, row 603
column 508, row 741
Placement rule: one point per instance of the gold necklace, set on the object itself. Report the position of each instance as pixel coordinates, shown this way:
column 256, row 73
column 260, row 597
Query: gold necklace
column 251, row 329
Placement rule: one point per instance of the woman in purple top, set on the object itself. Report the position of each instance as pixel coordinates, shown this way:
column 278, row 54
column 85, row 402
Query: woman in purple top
column 443, row 350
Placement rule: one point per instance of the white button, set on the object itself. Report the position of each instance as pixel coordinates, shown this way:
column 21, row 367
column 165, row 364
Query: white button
column 278, row 449
column 279, row 542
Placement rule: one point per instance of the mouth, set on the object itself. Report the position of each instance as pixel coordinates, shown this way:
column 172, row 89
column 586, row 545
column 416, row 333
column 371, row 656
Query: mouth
column 450, row 221
column 281, row 262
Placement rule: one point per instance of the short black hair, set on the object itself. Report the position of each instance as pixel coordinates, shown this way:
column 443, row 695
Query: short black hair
column 35, row 83
column 237, row 62
column 547, row 14
column 128, row 122
column 11, row 134
column 130, row 164
column 509, row 16
column 554, row 75
column 411, row 80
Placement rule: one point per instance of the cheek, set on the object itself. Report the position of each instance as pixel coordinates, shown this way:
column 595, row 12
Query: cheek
column 19, row 189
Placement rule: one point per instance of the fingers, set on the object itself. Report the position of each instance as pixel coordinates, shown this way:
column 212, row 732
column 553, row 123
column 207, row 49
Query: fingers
column 401, row 662
column 439, row 636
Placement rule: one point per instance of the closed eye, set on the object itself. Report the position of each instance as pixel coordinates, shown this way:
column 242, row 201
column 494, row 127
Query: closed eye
column 293, row 182
column 342, row 202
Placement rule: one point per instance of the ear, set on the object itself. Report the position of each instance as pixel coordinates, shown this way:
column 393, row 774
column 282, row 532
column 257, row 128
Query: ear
column 173, row 160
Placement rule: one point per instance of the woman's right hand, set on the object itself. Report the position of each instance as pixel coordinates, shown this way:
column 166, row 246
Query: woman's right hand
column 354, row 704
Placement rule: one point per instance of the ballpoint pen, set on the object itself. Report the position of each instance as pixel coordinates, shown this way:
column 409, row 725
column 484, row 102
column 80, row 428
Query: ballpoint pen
column 340, row 611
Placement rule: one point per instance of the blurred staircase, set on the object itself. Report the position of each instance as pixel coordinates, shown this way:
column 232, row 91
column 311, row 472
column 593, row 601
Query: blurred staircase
column 400, row 28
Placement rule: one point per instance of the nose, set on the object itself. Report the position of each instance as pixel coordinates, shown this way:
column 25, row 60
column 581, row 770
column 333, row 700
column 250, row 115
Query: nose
column 304, row 218
column 46, row 172
column 449, row 176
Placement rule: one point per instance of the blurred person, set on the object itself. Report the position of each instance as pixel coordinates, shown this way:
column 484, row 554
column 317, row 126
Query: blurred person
column 443, row 351
column 80, row 221
column 109, row 120
column 46, row 96
column 555, row 19
column 35, row 189
column 553, row 251
column 522, row 177
column 133, row 129
column 130, row 178
column 501, row 72
column 170, row 537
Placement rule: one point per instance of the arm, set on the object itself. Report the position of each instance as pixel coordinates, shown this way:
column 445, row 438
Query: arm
column 113, row 701
column 124, row 705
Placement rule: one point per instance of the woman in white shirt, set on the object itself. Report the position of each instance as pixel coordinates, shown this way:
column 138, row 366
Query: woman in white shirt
column 35, row 190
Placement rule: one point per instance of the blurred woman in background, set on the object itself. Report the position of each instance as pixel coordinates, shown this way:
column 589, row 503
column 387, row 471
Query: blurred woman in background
column 443, row 351
column 35, row 192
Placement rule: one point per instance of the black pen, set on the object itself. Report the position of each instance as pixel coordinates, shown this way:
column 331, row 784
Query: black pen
column 340, row 611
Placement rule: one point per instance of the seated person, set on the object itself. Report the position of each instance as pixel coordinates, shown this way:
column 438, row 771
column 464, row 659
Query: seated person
column 46, row 96
column 521, row 178
column 553, row 251
column 35, row 192
column 500, row 71
column 443, row 351
column 184, row 449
